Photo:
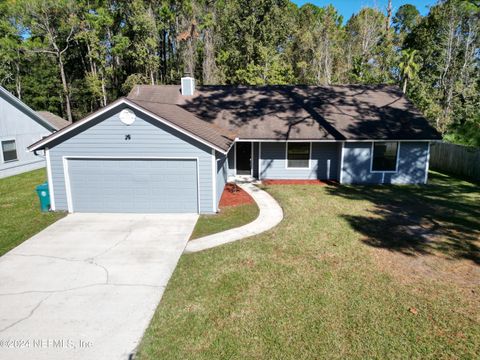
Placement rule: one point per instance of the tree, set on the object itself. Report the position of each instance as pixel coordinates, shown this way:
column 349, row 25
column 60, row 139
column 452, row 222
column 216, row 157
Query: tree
column 316, row 45
column 448, row 41
column 250, row 30
column 143, row 47
column 74, row 56
column 94, row 22
column 210, row 72
column 408, row 67
column 52, row 25
column 10, row 49
column 406, row 18
column 365, row 32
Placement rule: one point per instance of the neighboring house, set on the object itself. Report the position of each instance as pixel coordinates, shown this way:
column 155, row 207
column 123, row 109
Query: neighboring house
column 19, row 127
column 171, row 148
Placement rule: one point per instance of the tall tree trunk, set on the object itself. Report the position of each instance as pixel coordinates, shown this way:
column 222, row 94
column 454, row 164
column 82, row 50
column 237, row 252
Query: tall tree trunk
column 164, row 57
column 389, row 16
column 405, row 85
column 65, row 88
column 18, row 83
column 104, row 91
column 209, row 66
column 90, row 58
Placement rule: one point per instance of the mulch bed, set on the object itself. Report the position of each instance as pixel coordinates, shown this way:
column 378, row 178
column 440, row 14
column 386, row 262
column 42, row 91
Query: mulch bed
column 233, row 195
column 298, row 182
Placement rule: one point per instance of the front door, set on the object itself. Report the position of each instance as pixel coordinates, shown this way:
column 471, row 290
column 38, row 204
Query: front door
column 244, row 158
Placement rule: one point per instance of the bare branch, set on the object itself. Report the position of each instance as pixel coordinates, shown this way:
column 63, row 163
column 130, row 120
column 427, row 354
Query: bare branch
column 72, row 29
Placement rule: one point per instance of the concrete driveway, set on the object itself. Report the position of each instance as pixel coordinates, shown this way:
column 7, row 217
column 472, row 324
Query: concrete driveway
column 87, row 286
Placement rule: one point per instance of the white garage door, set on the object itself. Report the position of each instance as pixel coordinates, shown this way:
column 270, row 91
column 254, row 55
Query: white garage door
column 133, row 185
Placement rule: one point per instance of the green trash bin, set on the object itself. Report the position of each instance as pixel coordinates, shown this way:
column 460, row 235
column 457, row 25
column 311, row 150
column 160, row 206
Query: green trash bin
column 44, row 196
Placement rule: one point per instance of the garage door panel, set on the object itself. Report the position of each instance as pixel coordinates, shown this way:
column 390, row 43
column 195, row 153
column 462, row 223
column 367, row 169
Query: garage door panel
column 133, row 185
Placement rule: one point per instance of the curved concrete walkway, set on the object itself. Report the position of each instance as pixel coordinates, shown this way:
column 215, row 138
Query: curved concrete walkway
column 270, row 215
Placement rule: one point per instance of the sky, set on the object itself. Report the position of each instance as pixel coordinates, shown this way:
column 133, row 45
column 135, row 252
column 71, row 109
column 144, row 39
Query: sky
column 349, row 7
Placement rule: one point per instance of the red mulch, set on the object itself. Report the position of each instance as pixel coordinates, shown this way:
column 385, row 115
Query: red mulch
column 233, row 196
column 298, row 182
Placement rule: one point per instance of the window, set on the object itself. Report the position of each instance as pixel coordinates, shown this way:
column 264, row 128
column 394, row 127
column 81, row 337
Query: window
column 9, row 150
column 385, row 156
column 298, row 155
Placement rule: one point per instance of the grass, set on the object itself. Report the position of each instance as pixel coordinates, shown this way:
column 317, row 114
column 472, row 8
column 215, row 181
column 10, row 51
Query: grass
column 323, row 283
column 20, row 216
column 229, row 217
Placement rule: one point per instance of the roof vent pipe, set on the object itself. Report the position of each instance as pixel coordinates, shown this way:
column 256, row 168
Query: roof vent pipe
column 188, row 86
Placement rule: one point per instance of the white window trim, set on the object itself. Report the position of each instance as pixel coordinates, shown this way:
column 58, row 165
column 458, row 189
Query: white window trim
column 309, row 158
column 259, row 161
column 396, row 160
column 235, row 159
column 1, row 150
column 66, row 173
column 342, row 151
column 252, row 156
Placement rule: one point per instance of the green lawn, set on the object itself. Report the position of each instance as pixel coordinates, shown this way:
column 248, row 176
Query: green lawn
column 352, row 272
column 228, row 218
column 20, row 215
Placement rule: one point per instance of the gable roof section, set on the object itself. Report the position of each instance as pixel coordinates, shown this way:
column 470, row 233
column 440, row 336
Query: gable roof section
column 211, row 133
column 7, row 96
column 56, row 121
column 341, row 112
column 177, row 119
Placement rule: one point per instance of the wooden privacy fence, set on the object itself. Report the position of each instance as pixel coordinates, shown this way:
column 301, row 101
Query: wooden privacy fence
column 454, row 159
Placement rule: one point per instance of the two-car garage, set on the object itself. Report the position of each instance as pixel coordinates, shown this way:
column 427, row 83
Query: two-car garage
column 129, row 159
column 137, row 185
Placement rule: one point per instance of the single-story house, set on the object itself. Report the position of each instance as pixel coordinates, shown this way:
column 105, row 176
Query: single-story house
column 172, row 148
column 19, row 127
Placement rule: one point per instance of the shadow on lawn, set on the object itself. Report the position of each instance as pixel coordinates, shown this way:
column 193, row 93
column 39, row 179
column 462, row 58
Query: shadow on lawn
column 443, row 216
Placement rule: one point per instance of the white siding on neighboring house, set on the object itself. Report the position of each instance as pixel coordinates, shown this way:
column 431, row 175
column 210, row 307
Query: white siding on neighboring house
column 17, row 124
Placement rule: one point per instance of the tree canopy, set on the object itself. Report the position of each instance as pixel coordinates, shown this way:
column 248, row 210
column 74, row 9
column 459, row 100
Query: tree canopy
column 74, row 56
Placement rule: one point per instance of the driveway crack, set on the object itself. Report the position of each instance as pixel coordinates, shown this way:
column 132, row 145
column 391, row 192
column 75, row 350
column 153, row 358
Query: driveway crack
column 26, row 317
column 89, row 261
column 51, row 292
column 114, row 245
column 107, row 274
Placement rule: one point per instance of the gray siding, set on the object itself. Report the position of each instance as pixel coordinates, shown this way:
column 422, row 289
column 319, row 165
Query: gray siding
column 105, row 136
column 16, row 124
column 323, row 156
column 222, row 175
column 412, row 164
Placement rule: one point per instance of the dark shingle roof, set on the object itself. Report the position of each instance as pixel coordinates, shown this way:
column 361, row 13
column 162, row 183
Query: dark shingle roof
column 343, row 112
column 56, row 121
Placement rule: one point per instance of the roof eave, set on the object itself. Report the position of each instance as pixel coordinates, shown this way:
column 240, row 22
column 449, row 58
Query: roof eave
column 45, row 141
